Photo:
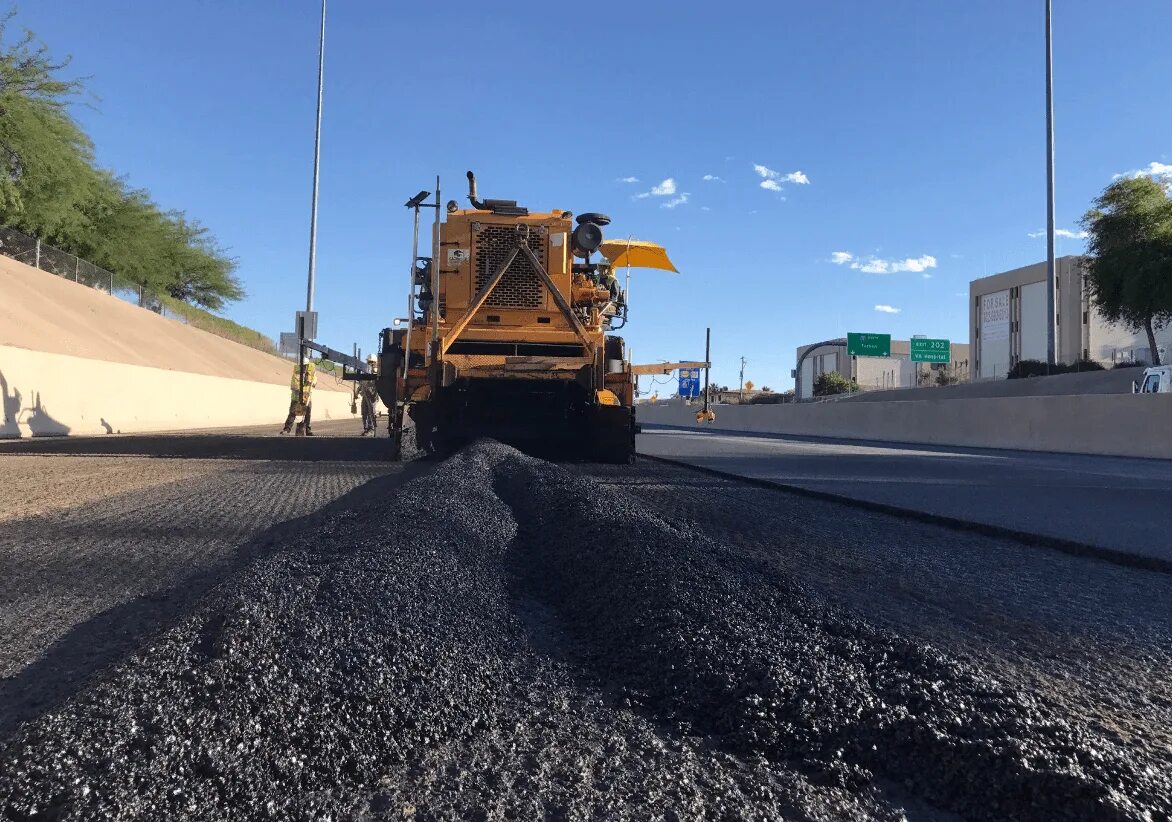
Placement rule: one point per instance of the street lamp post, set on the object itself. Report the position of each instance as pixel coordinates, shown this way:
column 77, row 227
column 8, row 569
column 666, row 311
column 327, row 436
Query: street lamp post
column 321, row 64
column 1051, row 273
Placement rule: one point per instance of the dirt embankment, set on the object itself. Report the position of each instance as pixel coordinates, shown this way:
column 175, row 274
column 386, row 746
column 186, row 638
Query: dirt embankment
column 43, row 312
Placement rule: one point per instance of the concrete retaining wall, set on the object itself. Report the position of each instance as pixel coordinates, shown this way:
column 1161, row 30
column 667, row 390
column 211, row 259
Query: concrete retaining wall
column 53, row 394
column 1118, row 425
column 1115, row 381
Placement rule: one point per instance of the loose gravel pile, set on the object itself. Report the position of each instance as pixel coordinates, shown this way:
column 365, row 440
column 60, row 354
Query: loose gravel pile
column 504, row 638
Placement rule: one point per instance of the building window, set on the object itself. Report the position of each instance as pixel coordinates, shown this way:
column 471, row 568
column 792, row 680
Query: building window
column 1086, row 317
column 1086, row 355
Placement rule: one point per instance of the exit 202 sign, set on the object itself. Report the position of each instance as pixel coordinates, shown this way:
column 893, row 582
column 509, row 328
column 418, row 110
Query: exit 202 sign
column 925, row 350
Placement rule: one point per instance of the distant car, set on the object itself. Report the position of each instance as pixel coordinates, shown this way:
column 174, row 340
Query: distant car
column 1156, row 380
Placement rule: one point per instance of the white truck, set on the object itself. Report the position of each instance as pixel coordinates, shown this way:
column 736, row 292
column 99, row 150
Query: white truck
column 1156, row 380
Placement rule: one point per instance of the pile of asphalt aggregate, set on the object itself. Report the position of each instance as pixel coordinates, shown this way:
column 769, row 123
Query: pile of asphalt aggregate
column 505, row 638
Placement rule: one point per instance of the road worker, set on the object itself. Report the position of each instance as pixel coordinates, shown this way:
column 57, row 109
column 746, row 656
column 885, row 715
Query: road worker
column 301, row 399
column 369, row 395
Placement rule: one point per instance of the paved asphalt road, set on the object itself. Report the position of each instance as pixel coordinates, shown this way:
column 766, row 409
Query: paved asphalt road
column 1115, row 503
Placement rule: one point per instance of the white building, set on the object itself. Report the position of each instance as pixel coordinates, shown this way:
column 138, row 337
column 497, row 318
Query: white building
column 1007, row 322
column 872, row 373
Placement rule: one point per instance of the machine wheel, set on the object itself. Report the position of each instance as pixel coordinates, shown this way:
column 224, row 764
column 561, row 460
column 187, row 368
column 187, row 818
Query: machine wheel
column 612, row 435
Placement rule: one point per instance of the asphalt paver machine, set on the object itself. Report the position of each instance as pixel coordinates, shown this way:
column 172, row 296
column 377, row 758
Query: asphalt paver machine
column 508, row 335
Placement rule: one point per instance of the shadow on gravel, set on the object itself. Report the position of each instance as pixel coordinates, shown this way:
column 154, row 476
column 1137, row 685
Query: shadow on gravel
column 209, row 446
column 110, row 636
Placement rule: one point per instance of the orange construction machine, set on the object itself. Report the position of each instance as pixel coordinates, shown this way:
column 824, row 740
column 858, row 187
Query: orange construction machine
column 508, row 335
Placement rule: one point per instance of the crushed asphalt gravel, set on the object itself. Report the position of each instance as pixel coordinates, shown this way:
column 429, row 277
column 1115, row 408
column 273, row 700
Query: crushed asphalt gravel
column 503, row 638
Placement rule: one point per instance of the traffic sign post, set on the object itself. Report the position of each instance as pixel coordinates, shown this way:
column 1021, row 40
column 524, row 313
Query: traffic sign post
column 868, row 345
column 926, row 350
column 690, row 382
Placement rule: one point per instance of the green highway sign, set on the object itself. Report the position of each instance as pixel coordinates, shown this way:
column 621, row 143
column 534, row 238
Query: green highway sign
column 925, row 350
column 868, row 345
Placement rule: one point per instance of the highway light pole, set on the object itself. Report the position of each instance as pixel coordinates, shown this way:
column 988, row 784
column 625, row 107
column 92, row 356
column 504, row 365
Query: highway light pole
column 1051, row 273
column 321, row 64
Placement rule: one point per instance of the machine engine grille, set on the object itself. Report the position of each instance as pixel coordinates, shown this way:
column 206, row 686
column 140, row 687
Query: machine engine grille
column 521, row 287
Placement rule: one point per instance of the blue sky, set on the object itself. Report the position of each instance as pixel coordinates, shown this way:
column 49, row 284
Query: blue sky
column 916, row 127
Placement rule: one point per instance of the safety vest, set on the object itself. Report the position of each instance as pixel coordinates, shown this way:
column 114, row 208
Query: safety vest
column 310, row 382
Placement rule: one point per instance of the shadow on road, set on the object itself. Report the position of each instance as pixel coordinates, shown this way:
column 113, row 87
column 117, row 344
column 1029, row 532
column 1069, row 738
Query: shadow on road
column 209, row 446
column 110, row 636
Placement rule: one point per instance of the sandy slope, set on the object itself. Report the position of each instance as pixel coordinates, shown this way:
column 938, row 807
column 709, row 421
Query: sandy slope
column 44, row 312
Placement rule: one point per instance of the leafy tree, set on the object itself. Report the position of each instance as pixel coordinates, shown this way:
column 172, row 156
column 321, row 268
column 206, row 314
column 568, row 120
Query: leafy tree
column 1129, row 270
column 946, row 376
column 831, row 382
column 46, row 161
column 51, row 187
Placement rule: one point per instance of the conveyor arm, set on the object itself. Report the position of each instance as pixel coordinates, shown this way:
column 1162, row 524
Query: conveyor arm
column 658, row 368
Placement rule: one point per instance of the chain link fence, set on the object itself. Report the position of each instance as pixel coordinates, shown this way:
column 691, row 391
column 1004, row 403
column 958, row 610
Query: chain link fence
column 31, row 251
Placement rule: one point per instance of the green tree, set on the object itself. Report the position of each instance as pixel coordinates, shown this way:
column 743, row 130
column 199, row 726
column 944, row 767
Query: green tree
column 831, row 382
column 51, row 187
column 1129, row 269
column 46, row 161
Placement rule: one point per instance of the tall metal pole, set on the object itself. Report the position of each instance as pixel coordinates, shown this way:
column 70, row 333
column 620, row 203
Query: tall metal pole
column 321, row 65
column 741, row 391
column 411, row 294
column 1051, row 273
column 435, row 269
column 707, row 364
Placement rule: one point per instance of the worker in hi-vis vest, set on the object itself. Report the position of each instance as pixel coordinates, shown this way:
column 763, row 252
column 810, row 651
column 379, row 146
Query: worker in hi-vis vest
column 301, row 399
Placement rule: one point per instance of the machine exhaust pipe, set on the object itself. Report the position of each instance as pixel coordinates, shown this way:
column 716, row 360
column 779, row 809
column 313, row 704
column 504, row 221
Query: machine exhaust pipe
column 477, row 204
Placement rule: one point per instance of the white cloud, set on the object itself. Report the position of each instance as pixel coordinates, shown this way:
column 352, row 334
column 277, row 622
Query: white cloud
column 675, row 201
column 772, row 180
column 887, row 309
column 926, row 276
column 1061, row 232
column 665, row 188
column 712, row 178
column 1154, row 169
column 875, row 265
column 628, row 179
column 705, row 208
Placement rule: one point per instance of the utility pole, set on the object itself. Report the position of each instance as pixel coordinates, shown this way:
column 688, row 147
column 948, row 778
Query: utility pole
column 1051, row 273
column 741, row 390
column 321, row 64
column 707, row 365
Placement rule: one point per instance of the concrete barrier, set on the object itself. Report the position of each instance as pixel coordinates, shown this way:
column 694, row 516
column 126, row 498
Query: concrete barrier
column 1125, row 425
column 46, row 394
column 1115, row 381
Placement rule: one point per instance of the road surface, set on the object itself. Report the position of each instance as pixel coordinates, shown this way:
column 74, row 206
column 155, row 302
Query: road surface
column 257, row 631
column 1119, row 504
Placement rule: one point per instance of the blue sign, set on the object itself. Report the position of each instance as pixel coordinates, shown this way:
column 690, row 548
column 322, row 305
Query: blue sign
column 690, row 382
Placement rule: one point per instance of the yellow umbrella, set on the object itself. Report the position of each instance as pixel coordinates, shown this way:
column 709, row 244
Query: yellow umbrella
column 636, row 254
